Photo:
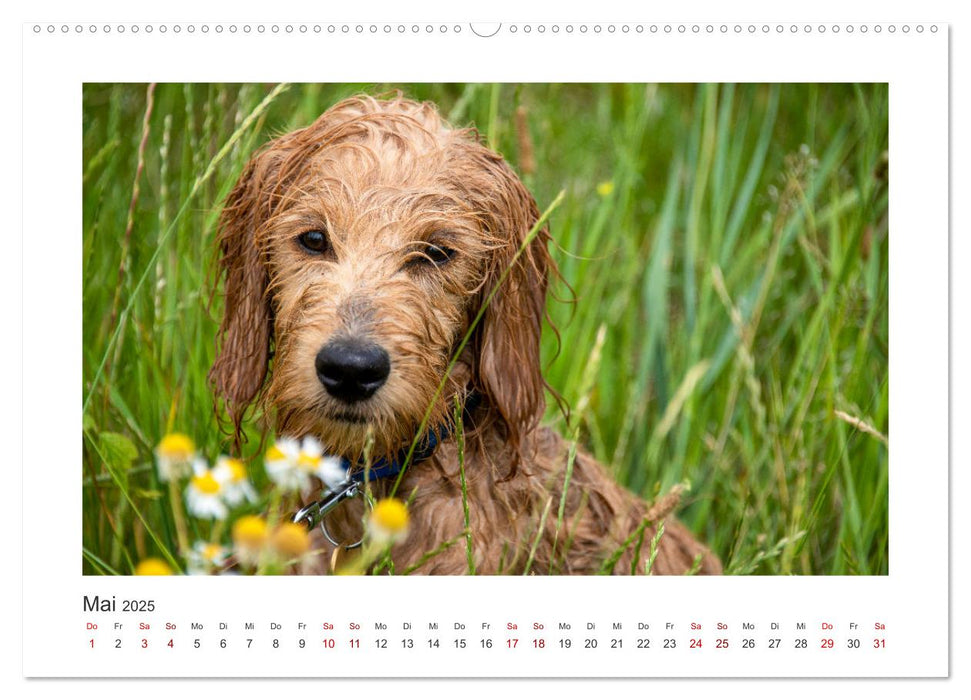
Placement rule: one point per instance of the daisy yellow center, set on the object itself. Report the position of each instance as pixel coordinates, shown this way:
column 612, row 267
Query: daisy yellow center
column 390, row 515
column 237, row 469
column 211, row 552
column 176, row 446
column 291, row 539
column 153, row 567
column 275, row 454
column 308, row 461
column 206, row 483
column 250, row 530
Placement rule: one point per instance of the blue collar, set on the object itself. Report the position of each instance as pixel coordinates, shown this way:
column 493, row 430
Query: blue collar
column 383, row 468
column 313, row 514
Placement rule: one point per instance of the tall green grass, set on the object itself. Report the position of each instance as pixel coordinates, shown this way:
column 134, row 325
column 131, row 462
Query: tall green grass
column 727, row 245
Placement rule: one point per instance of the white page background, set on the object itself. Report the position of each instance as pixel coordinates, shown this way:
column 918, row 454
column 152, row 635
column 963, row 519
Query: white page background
column 925, row 12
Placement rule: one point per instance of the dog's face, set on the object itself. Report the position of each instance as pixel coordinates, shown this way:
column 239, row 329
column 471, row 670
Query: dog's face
column 361, row 249
column 374, row 262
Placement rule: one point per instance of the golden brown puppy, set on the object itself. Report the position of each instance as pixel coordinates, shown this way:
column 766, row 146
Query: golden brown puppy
column 357, row 253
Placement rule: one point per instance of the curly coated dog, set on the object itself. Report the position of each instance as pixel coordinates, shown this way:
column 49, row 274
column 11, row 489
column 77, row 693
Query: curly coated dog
column 381, row 269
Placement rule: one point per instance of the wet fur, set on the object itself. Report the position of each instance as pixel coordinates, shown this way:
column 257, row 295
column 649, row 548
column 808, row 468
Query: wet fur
column 385, row 179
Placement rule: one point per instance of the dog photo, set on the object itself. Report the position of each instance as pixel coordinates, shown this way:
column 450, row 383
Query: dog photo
column 485, row 329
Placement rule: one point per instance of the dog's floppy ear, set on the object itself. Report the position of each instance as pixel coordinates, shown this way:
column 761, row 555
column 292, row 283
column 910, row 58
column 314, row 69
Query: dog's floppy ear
column 240, row 367
column 245, row 336
column 507, row 363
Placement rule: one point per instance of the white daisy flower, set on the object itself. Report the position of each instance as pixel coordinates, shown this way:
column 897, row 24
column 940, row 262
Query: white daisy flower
column 312, row 460
column 311, row 452
column 174, row 456
column 330, row 471
column 231, row 475
column 281, row 466
column 290, row 464
column 206, row 557
column 204, row 494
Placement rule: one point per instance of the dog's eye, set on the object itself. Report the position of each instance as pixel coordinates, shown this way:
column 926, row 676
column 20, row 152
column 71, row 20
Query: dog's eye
column 438, row 255
column 314, row 242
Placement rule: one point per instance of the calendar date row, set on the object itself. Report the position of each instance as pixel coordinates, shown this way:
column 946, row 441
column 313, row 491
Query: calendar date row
column 589, row 643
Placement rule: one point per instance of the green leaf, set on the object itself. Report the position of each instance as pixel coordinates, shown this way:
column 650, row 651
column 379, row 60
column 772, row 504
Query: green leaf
column 118, row 452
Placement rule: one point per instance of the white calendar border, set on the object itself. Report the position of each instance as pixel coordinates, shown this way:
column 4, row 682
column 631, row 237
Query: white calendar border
column 59, row 562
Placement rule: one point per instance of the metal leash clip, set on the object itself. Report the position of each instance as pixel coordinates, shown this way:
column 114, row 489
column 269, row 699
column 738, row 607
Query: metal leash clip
column 315, row 513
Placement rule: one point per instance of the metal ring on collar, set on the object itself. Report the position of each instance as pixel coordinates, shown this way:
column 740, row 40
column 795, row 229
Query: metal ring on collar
column 323, row 528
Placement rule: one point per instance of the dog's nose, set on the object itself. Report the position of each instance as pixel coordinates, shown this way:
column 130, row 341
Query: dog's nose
column 352, row 370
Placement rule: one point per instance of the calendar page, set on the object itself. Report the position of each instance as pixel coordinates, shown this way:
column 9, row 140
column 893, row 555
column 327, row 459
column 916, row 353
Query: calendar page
column 448, row 349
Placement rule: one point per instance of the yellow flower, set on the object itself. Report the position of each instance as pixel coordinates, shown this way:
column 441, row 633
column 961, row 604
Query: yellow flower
column 605, row 188
column 153, row 567
column 174, row 455
column 291, row 540
column 250, row 529
column 389, row 520
column 249, row 536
